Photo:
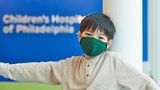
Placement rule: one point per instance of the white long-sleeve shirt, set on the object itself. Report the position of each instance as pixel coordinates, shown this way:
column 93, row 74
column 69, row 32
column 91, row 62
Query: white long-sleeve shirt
column 106, row 71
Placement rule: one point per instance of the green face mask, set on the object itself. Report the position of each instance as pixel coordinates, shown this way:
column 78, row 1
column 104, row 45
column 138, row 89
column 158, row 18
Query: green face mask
column 92, row 46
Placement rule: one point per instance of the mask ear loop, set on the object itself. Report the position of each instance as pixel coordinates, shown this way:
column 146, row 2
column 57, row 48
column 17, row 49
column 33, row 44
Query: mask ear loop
column 78, row 33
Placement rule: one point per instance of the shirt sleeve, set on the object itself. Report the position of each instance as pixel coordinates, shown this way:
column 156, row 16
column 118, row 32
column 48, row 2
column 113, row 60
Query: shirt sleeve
column 133, row 79
column 42, row 72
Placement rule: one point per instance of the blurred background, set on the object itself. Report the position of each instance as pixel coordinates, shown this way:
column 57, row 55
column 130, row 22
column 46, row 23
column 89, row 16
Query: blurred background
column 35, row 31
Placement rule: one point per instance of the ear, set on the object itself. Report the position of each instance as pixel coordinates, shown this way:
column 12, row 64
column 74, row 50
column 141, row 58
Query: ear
column 79, row 36
column 109, row 43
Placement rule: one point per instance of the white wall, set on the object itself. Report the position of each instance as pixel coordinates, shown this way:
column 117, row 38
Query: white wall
column 127, row 17
column 154, row 40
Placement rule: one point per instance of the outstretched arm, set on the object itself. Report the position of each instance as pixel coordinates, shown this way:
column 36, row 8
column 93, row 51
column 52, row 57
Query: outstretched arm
column 128, row 76
column 43, row 72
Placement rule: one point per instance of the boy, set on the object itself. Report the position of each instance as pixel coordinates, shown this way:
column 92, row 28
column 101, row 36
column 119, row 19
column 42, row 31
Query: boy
column 98, row 69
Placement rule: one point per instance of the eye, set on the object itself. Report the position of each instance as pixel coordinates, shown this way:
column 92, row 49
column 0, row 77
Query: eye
column 88, row 34
column 101, row 37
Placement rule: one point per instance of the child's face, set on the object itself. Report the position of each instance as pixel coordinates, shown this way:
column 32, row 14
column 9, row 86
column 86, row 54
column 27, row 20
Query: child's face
column 96, row 34
column 89, row 51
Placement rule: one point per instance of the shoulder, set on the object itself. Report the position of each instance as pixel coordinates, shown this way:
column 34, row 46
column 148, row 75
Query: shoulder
column 113, row 57
column 72, row 59
column 112, row 54
column 71, row 62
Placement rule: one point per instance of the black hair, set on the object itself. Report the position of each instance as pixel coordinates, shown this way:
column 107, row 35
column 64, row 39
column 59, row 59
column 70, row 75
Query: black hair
column 98, row 21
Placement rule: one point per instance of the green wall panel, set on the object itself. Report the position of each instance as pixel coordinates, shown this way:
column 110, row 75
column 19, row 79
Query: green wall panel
column 28, row 86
